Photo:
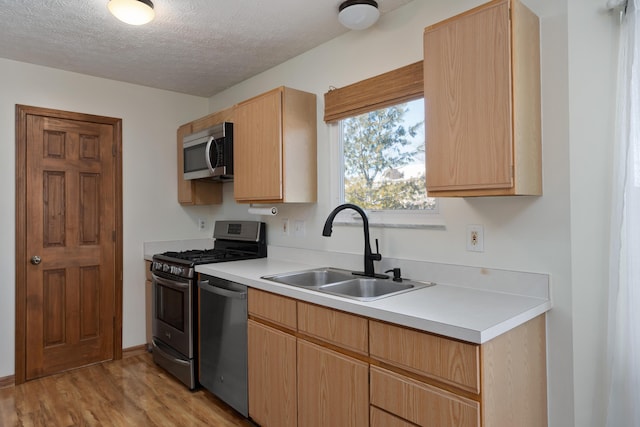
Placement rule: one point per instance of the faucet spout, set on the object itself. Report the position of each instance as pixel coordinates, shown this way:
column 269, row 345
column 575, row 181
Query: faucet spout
column 369, row 257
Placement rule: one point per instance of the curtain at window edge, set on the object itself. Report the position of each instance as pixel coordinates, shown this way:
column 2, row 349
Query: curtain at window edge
column 623, row 346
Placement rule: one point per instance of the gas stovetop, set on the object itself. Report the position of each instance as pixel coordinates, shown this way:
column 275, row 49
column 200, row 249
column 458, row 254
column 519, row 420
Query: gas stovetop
column 207, row 256
column 235, row 240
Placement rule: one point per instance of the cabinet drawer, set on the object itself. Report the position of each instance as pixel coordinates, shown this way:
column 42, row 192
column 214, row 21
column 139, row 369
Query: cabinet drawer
column 446, row 360
column 336, row 327
column 272, row 307
column 420, row 403
column 379, row 418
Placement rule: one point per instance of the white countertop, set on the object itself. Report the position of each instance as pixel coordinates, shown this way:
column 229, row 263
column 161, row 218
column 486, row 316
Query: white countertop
column 468, row 313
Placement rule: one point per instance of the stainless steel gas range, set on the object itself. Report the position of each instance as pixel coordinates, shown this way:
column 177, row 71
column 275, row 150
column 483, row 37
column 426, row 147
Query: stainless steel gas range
column 175, row 310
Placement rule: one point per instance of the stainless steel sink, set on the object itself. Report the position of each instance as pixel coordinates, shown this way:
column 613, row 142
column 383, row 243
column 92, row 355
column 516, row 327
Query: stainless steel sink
column 343, row 283
column 312, row 278
column 366, row 289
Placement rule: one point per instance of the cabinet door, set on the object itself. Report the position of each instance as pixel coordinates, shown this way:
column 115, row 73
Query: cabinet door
column 258, row 148
column 272, row 376
column 333, row 389
column 468, row 101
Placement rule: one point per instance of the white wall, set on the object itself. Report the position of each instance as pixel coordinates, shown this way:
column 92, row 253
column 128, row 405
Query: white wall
column 563, row 233
column 593, row 42
column 149, row 121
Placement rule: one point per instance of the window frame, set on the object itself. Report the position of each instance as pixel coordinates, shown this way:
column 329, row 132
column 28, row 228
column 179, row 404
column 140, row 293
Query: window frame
column 385, row 90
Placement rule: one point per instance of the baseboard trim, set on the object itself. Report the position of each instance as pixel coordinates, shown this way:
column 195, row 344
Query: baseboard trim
column 9, row 381
column 134, row 351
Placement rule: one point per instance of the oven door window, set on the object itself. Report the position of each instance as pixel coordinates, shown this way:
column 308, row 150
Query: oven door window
column 170, row 306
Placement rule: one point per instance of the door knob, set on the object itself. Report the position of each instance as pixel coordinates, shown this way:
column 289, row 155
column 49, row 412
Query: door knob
column 35, row 260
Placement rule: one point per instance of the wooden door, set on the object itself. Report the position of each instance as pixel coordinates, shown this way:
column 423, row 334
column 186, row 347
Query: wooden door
column 258, row 149
column 68, row 282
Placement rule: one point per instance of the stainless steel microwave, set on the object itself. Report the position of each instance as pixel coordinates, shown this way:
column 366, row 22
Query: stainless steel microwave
column 209, row 153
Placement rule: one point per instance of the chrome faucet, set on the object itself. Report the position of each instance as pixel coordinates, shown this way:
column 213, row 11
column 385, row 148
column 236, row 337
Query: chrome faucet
column 369, row 257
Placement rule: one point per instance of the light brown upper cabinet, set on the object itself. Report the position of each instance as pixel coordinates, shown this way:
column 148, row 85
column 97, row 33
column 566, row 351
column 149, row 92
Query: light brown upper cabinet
column 482, row 102
column 199, row 191
column 275, row 148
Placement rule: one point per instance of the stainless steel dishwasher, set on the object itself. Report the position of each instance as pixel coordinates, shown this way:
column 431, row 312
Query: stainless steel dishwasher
column 223, row 340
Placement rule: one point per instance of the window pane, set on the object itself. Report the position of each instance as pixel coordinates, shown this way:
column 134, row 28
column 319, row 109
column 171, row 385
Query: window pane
column 383, row 159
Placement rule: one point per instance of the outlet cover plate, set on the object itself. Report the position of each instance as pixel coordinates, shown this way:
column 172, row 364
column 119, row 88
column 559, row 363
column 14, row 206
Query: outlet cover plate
column 475, row 238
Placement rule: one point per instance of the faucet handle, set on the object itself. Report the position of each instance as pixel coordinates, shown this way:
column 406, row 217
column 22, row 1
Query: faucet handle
column 376, row 256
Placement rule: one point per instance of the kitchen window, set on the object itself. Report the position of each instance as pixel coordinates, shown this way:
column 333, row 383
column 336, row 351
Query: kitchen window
column 378, row 149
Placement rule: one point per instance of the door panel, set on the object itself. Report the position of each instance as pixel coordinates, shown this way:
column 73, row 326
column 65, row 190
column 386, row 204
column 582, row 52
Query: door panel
column 258, row 148
column 468, row 101
column 71, row 226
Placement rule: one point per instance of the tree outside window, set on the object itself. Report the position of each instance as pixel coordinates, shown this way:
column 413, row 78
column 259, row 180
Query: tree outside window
column 383, row 159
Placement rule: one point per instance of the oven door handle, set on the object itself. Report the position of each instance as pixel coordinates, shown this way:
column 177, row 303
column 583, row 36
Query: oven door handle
column 179, row 286
column 206, row 286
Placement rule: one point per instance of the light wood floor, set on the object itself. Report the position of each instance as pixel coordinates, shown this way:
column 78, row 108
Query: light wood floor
column 128, row 392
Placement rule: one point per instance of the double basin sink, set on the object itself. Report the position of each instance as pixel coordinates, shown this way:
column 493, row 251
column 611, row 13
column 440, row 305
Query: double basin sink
column 344, row 283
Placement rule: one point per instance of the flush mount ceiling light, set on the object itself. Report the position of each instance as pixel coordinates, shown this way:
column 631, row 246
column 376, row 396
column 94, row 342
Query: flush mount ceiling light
column 133, row 12
column 358, row 14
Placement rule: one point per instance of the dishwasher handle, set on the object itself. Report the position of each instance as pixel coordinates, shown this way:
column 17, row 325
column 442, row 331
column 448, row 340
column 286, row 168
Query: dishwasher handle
column 205, row 285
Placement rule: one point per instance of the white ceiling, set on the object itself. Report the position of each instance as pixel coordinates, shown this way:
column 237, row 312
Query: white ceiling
column 198, row 47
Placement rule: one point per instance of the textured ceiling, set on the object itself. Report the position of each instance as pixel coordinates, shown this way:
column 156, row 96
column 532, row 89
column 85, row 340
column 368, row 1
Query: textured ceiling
column 198, row 47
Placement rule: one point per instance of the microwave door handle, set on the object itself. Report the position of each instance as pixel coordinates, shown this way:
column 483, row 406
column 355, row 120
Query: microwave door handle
column 207, row 151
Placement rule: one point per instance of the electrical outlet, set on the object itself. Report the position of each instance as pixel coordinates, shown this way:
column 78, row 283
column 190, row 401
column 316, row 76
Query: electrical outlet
column 475, row 238
column 299, row 228
column 201, row 223
column 285, row 226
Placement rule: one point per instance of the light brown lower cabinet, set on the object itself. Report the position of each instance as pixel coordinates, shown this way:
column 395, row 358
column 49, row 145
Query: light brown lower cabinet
column 301, row 365
column 431, row 380
column 332, row 388
column 272, row 376
column 354, row 371
column 421, row 403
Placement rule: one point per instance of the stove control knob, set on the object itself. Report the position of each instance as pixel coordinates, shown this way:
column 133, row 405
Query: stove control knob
column 176, row 270
column 166, row 267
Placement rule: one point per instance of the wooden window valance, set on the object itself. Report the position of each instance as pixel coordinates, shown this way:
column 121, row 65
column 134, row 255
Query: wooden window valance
column 391, row 88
